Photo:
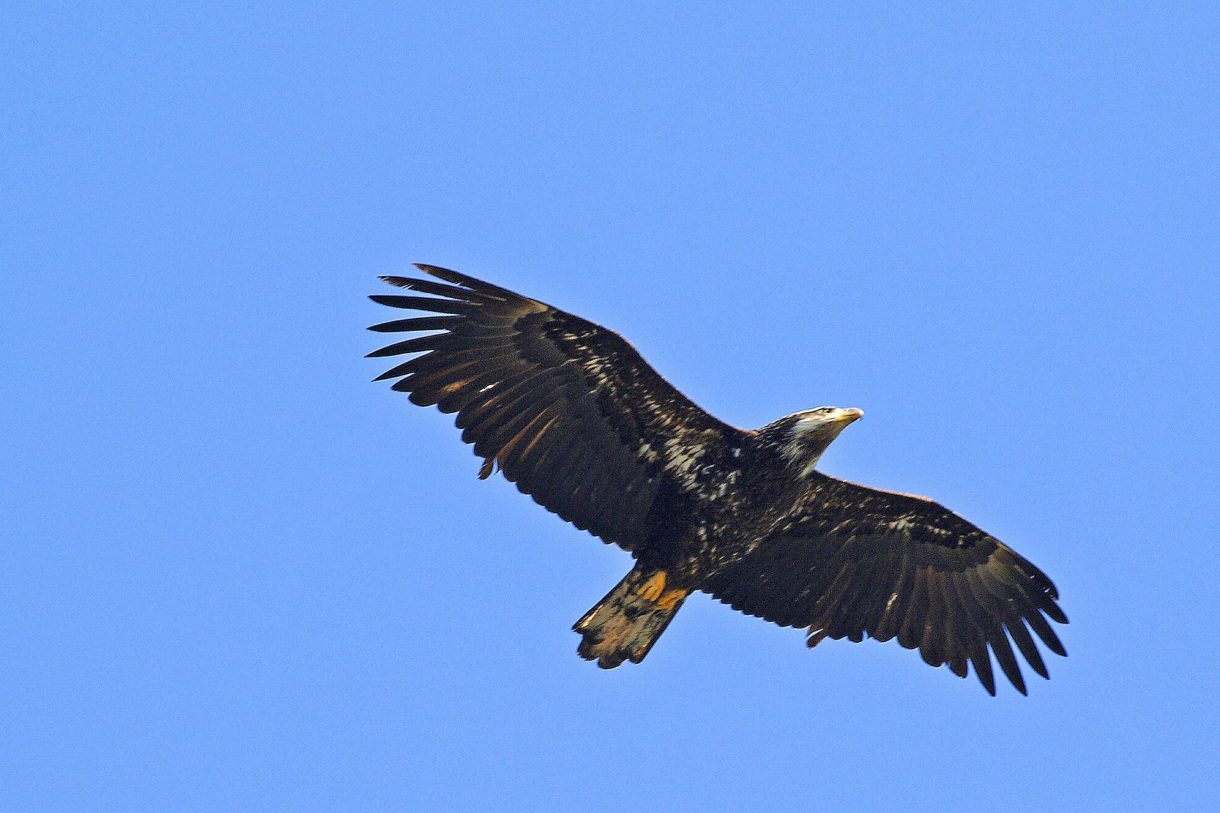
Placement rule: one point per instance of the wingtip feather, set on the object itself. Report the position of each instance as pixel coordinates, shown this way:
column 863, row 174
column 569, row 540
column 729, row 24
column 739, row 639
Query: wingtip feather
column 435, row 270
column 397, row 282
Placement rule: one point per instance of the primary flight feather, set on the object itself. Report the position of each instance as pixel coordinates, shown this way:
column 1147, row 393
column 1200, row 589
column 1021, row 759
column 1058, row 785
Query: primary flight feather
column 572, row 414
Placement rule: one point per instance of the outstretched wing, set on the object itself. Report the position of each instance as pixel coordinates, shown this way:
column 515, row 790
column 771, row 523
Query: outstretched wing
column 568, row 410
column 853, row 561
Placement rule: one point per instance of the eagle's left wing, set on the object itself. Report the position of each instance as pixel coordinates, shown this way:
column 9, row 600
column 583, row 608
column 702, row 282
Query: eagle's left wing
column 853, row 561
column 568, row 409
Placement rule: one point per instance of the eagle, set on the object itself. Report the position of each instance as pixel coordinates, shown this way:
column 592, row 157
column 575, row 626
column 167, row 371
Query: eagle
column 569, row 412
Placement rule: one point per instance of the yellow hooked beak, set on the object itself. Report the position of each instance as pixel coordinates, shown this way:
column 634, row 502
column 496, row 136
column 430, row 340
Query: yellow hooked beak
column 848, row 415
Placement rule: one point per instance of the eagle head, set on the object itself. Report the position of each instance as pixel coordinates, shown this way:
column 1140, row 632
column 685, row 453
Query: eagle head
column 802, row 437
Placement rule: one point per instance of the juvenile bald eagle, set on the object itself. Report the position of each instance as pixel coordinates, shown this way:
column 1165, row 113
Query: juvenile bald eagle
column 578, row 420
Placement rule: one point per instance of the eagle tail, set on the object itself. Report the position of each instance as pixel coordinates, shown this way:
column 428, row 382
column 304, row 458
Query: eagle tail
column 628, row 621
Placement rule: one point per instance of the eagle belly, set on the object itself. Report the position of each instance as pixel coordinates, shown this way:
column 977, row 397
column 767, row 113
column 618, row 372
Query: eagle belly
column 718, row 502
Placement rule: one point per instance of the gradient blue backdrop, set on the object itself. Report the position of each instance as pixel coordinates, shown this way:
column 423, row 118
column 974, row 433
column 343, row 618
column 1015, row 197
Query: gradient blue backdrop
column 237, row 575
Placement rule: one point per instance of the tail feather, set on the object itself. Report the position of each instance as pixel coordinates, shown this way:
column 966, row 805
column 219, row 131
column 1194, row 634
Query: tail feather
column 627, row 622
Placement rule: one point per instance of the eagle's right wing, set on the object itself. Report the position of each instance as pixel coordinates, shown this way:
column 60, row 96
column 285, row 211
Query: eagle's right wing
column 568, row 410
column 855, row 562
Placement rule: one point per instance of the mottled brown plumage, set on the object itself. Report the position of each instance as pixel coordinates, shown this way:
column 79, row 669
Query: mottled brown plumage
column 578, row 420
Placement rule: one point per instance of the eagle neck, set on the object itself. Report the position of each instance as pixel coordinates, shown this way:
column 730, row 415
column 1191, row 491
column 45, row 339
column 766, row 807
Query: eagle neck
column 792, row 455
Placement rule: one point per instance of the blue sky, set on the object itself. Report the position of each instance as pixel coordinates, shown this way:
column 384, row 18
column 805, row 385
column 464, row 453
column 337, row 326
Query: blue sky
column 237, row 575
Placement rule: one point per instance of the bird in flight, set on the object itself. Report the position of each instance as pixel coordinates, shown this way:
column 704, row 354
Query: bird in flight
column 569, row 412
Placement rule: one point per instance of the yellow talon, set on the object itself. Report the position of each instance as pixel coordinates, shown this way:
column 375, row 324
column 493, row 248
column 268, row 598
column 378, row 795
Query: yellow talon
column 652, row 589
column 672, row 598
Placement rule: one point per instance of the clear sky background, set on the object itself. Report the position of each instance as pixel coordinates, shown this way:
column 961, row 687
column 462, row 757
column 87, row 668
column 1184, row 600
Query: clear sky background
column 237, row 575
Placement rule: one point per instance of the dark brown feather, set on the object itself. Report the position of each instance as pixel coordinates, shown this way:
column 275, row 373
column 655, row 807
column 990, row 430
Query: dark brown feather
column 1020, row 636
column 417, row 323
column 569, row 410
column 422, row 303
column 887, row 565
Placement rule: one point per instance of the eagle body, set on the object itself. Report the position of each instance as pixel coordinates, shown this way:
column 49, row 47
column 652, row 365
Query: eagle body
column 570, row 413
column 717, row 499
